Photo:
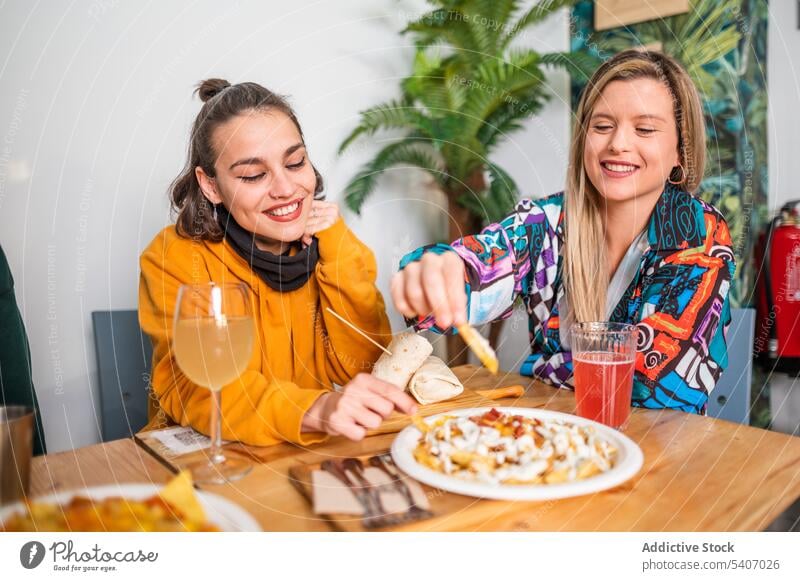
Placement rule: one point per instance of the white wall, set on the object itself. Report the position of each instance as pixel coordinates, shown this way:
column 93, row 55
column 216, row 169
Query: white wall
column 95, row 107
column 783, row 78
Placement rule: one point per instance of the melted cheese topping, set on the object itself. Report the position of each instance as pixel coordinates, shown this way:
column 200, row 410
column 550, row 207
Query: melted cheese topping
column 499, row 448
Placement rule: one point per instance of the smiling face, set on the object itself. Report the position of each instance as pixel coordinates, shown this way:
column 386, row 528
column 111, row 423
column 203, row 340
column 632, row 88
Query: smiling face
column 263, row 177
column 632, row 141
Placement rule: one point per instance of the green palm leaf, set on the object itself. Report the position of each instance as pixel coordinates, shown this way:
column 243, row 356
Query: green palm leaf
column 494, row 204
column 579, row 64
column 502, row 82
column 508, row 118
column 391, row 115
column 407, row 152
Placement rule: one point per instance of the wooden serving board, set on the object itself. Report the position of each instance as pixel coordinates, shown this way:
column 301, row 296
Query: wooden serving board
column 467, row 399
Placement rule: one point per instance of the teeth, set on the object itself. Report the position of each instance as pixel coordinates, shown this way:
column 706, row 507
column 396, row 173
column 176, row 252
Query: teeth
column 285, row 210
column 619, row 167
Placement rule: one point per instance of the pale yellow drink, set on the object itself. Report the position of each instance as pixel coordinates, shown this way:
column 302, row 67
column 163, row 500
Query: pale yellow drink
column 213, row 352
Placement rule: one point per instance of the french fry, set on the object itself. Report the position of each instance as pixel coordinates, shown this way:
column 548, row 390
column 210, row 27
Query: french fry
column 587, row 470
column 426, row 459
column 420, row 424
column 557, row 476
column 480, row 347
column 462, row 458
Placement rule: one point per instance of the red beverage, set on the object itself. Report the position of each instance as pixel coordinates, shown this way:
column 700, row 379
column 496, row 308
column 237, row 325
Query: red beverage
column 603, row 386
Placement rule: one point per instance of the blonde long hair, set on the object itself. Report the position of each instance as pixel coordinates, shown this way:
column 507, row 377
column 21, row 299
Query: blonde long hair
column 585, row 267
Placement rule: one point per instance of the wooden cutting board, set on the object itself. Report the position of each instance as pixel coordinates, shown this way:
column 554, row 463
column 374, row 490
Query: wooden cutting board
column 467, row 399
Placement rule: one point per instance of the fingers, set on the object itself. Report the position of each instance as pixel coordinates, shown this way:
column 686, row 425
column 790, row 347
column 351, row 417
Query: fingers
column 352, row 414
column 366, row 418
column 345, row 417
column 342, row 424
column 433, row 285
column 454, row 287
column 378, row 404
column 363, row 404
column 399, row 399
column 318, row 224
column 322, row 215
column 323, row 206
column 412, row 289
column 397, row 289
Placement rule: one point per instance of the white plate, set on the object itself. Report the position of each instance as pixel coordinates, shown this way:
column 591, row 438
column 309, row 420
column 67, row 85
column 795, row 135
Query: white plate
column 628, row 463
column 219, row 511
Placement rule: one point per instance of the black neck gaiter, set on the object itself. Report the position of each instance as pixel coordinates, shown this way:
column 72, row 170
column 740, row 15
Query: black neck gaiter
column 281, row 272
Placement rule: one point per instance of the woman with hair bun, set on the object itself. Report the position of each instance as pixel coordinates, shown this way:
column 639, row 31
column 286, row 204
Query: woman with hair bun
column 250, row 209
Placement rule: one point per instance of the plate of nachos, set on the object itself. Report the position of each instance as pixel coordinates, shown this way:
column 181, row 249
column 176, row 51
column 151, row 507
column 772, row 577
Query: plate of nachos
column 174, row 507
column 515, row 454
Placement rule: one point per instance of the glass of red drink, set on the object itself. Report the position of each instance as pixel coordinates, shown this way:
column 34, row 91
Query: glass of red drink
column 603, row 357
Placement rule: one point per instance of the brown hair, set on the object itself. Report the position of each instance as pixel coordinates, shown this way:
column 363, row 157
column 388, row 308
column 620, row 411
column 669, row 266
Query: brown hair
column 585, row 269
column 221, row 102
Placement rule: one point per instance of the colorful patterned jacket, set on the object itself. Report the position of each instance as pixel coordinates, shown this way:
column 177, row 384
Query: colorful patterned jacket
column 678, row 298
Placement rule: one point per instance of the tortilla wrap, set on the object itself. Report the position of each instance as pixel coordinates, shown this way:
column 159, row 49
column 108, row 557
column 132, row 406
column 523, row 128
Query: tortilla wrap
column 434, row 381
column 409, row 352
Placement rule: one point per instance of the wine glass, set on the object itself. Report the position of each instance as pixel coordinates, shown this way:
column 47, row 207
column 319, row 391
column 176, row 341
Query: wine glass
column 212, row 343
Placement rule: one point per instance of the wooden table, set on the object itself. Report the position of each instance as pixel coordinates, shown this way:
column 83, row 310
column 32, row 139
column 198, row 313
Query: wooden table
column 699, row 474
column 120, row 461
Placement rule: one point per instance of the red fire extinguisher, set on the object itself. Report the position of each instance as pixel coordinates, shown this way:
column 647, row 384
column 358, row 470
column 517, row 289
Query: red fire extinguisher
column 777, row 343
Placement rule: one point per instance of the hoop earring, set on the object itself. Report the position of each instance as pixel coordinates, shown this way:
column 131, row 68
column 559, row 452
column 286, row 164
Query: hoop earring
column 683, row 176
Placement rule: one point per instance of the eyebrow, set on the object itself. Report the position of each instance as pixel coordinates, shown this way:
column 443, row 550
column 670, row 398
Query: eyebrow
column 257, row 160
column 642, row 116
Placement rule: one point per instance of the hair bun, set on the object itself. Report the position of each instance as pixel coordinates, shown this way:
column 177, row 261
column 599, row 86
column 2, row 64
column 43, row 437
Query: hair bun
column 211, row 87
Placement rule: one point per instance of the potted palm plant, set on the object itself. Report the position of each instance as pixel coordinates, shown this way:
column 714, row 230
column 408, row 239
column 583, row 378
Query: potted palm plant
column 471, row 86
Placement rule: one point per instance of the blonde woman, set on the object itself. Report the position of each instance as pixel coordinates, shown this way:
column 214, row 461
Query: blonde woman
column 627, row 241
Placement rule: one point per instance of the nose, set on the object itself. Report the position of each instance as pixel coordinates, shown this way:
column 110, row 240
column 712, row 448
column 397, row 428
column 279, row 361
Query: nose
column 618, row 141
column 282, row 186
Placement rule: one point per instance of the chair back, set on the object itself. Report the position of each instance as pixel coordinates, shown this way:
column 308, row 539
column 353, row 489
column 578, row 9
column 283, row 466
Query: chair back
column 730, row 399
column 124, row 356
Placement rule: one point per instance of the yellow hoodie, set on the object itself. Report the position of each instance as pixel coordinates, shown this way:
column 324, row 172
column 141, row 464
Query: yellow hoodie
column 300, row 350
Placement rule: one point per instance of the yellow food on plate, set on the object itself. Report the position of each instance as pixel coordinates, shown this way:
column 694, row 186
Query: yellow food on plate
column 179, row 494
column 175, row 508
column 499, row 448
